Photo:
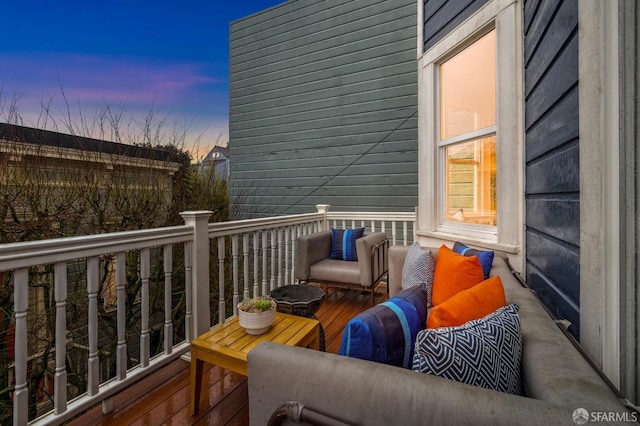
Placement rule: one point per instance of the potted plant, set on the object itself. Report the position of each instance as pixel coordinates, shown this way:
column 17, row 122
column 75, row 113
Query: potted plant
column 256, row 315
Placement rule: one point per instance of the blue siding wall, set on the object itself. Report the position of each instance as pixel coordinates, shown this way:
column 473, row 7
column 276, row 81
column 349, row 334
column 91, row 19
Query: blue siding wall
column 323, row 107
column 552, row 155
column 442, row 16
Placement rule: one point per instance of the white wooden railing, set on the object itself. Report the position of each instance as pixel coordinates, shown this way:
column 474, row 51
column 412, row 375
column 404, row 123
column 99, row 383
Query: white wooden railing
column 251, row 257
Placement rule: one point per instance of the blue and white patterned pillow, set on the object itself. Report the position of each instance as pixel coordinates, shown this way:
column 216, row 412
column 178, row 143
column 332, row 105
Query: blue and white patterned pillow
column 343, row 243
column 418, row 269
column 485, row 352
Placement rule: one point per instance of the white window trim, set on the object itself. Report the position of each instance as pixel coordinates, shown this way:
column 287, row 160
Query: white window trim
column 506, row 17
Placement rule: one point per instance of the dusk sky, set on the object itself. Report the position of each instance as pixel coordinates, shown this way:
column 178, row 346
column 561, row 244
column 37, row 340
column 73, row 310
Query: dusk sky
column 167, row 54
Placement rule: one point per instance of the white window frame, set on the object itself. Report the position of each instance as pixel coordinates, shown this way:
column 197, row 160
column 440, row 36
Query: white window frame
column 506, row 17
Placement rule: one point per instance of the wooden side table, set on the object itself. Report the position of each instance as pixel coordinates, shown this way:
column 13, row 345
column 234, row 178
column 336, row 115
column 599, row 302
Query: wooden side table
column 227, row 345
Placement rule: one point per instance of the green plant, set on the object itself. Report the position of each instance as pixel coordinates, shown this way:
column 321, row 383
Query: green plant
column 257, row 304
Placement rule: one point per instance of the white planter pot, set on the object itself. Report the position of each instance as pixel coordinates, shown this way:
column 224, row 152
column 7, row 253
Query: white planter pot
column 256, row 322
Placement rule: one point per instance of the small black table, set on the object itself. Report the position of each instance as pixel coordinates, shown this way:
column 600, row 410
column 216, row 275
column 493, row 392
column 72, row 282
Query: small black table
column 302, row 300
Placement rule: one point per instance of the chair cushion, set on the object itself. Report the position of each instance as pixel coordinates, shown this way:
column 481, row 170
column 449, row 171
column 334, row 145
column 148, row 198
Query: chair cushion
column 343, row 243
column 468, row 305
column 485, row 352
column 418, row 269
column 386, row 333
column 484, row 256
column 454, row 273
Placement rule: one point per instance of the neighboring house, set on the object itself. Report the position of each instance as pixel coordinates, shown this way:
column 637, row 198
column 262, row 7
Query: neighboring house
column 323, row 107
column 528, row 121
column 218, row 158
column 62, row 163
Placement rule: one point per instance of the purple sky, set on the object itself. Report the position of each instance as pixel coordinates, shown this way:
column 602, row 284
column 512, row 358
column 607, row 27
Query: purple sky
column 168, row 55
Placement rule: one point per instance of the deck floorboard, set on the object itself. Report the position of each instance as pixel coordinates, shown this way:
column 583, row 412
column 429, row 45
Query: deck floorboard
column 162, row 398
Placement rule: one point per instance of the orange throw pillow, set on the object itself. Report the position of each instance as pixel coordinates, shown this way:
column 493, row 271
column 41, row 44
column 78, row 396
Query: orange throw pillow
column 454, row 273
column 471, row 304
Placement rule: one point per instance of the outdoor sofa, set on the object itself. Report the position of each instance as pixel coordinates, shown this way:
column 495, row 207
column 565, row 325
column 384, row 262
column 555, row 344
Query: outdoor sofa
column 556, row 379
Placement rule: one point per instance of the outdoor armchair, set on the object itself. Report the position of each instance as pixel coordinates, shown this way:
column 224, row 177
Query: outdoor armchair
column 314, row 263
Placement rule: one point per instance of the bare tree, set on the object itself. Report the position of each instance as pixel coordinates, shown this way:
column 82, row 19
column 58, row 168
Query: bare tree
column 44, row 194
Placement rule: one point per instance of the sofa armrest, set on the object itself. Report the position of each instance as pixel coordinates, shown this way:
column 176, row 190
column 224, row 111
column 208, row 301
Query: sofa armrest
column 372, row 257
column 368, row 393
column 312, row 248
column 397, row 254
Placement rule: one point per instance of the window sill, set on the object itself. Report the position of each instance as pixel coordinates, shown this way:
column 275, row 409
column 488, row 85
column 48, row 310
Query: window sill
column 471, row 241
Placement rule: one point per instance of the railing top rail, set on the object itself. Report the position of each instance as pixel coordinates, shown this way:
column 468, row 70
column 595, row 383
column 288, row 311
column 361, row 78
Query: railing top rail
column 371, row 215
column 31, row 253
column 259, row 224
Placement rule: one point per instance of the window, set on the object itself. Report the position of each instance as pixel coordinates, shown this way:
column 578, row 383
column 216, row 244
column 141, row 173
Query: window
column 470, row 100
column 467, row 99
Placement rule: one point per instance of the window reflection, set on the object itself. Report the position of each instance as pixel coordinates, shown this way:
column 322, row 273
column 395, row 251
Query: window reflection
column 471, row 182
column 468, row 89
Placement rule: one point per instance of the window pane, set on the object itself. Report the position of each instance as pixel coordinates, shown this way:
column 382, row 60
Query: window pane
column 468, row 89
column 471, row 182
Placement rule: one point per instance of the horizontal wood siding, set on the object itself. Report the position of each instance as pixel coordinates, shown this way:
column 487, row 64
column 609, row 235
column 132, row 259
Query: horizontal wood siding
column 323, row 107
column 552, row 155
column 442, row 16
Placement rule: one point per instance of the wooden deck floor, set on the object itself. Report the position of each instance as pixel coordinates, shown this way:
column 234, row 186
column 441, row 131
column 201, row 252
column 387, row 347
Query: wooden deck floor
column 163, row 397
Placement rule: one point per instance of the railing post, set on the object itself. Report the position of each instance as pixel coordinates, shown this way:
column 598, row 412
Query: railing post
column 199, row 221
column 324, row 209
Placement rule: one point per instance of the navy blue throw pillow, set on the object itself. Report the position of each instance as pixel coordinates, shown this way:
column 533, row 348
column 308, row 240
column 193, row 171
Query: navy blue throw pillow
column 343, row 243
column 484, row 256
column 386, row 333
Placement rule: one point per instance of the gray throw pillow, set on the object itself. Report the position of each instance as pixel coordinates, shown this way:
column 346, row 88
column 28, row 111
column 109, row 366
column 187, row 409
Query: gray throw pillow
column 418, row 269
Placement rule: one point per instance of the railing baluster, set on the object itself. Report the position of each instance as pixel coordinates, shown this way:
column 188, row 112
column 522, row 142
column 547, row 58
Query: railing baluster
column 234, row 259
column 245, row 260
column 344, row 224
column 279, row 230
column 188, row 274
column 272, row 283
column 287, row 247
column 362, row 224
column 121, row 347
column 168, row 324
column 393, row 233
column 404, row 231
column 221, row 303
column 60, row 379
column 21, row 304
column 295, row 234
column 353, row 224
column 265, row 246
column 93, row 367
column 256, row 250
column 383, row 226
column 373, row 225
column 144, row 332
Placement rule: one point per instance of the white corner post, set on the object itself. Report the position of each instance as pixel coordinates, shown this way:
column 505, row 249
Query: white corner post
column 199, row 221
column 599, row 184
column 324, row 209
